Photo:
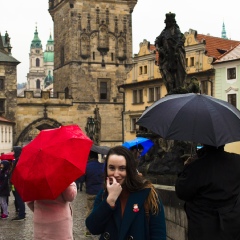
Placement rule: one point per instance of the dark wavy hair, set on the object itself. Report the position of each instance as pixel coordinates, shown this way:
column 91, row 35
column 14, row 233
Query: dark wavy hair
column 133, row 181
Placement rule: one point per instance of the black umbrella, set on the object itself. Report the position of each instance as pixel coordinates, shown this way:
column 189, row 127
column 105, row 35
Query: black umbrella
column 100, row 149
column 193, row 117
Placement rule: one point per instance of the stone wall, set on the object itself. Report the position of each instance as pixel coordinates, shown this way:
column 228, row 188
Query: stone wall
column 34, row 112
column 175, row 216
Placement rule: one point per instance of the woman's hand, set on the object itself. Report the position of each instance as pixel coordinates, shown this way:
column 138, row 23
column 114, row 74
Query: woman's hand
column 114, row 190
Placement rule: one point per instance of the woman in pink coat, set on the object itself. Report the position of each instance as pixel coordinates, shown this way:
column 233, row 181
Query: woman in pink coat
column 53, row 218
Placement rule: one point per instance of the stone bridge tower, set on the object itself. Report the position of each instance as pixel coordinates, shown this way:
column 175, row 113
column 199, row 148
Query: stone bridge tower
column 92, row 56
column 93, row 47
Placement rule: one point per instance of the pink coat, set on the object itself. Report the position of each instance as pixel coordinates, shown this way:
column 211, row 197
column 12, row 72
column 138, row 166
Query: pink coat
column 53, row 218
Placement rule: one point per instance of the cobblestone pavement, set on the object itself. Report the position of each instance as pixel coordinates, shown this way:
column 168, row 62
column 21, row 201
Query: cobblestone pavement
column 12, row 230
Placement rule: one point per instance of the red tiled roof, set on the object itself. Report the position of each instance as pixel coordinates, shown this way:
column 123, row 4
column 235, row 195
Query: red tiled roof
column 216, row 46
column 2, row 119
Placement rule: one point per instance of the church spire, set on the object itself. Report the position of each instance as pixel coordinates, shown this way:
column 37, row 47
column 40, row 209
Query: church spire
column 36, row 42
column 224, row 34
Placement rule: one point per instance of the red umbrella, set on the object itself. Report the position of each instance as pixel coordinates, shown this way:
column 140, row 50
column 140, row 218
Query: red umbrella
column 50, row 162
column 7, row 156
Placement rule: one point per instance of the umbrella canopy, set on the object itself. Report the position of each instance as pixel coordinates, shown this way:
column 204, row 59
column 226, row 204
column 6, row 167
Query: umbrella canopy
column 50, row 162
column 144, row 142
column 7, row 156
column 193, row 117
column 100, row 149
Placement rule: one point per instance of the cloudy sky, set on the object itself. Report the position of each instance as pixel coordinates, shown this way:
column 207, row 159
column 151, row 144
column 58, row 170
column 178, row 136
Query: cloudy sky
column 148, row 16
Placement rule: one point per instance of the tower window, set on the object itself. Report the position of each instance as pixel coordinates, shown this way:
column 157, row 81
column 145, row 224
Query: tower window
column 62, row 56
column 112, row 56
column 93, row 55
column 2, row 105
column 37, row 62
column 38, row 84
column 1, row 84
column 104, row 89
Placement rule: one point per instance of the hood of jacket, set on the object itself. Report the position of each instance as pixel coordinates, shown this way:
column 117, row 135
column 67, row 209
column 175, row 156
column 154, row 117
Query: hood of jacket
column 6, row 165
column 17, row 151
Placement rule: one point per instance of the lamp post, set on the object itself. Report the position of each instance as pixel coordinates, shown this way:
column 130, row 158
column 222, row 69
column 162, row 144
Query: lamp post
column 90, row 127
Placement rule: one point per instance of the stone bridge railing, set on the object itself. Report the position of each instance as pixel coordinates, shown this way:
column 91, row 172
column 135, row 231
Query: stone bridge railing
column 176, row 220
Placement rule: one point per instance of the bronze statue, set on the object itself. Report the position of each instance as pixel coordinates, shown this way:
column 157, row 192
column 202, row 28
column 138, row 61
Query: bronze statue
column 172, row 56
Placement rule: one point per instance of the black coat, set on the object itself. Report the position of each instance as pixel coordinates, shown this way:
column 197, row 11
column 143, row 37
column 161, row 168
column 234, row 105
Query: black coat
column 210, row 186
column 4, row 180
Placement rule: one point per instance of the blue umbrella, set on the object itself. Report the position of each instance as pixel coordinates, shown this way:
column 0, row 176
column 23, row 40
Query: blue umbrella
column 144, row 142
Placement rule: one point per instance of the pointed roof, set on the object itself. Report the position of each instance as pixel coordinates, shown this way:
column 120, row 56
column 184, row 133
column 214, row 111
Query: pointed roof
column 231, row 55
column 216, row 46
column 36, row 42
column 224, row 34
column 50, row 40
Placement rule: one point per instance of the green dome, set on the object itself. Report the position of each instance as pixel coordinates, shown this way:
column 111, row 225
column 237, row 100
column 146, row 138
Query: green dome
column 48, row 56
column 36, row 42
column 48, row 80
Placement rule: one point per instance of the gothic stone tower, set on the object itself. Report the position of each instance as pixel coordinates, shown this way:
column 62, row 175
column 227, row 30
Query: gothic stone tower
column 93, row 53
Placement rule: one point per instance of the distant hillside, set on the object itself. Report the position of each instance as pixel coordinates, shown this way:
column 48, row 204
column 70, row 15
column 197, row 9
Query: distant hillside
column 21, row 85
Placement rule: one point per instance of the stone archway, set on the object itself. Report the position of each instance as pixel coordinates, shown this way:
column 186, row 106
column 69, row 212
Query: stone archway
column 32, row 130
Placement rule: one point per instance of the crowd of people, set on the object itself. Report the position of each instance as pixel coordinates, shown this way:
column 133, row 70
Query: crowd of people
column 123, row 204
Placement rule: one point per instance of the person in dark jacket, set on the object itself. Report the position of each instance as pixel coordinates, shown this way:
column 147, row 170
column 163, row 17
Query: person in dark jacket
column 4, row 188
column 19, row 202
column 210, row 187
column 93, row 181
column 128, row 207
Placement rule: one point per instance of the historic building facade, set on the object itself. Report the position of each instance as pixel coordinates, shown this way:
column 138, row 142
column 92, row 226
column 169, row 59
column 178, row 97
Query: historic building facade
column 144, row 83
column 8, row 93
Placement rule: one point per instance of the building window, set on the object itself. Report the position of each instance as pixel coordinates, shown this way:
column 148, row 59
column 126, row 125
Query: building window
column 133, row 126
column 232, row 98
column 186, row 62
column 157, row 93
column 154, row 94
column 104, row 89
column 112, row 56
column 62, row 56
column 138, row 96
column 38, row 84
column 37, row 51
column 204, row 87
column 191, row 61
column 151, row 94
column 231, row 73
column 37, row 62
column 93, row 55
column 10, row 134
column 2, row 105
column 1, row 84
column 145, row 69
column 140, row 70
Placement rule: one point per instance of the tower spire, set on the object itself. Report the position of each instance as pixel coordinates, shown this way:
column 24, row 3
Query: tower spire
column 224, row 34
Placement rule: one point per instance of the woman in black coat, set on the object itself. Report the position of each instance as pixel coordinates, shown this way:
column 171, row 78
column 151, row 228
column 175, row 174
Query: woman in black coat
column 210, row 187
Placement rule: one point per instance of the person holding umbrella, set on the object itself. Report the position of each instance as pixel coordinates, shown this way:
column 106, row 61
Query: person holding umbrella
column 53, row 218
column 210, row 186
column 128, row 207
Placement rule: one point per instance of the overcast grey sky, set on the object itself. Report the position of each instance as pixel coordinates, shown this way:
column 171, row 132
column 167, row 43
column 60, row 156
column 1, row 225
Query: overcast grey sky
column 148, row 16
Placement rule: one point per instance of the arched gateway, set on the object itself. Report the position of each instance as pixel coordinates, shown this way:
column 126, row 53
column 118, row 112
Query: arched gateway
column 33, row 129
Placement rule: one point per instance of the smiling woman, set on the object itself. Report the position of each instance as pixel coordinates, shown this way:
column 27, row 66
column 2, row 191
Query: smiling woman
column 127, row 198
